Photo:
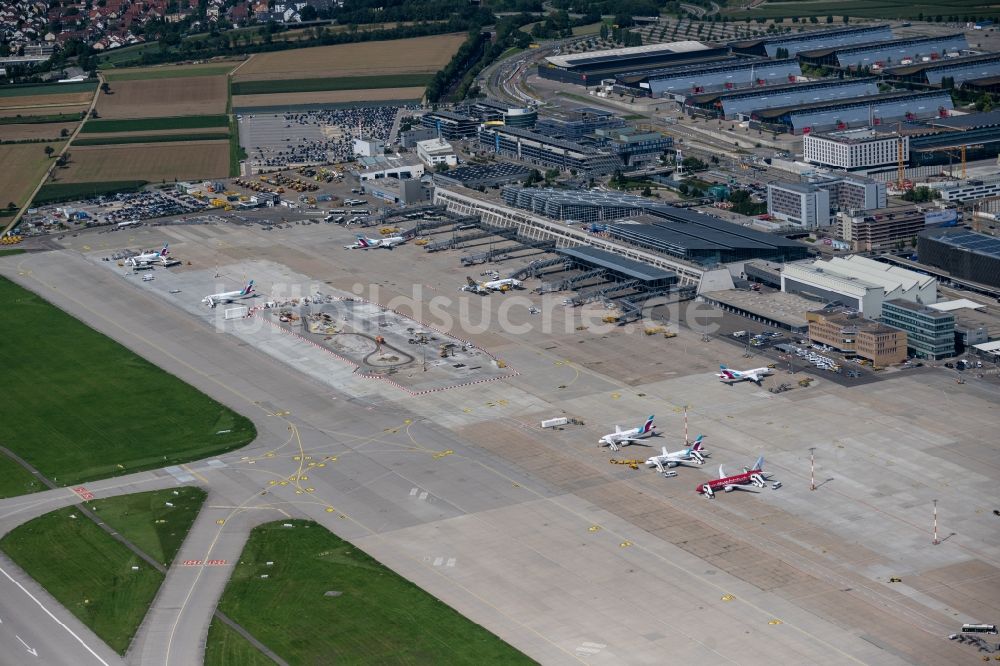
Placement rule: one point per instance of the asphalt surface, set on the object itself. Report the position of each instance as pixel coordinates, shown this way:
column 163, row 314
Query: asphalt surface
column 530, row 533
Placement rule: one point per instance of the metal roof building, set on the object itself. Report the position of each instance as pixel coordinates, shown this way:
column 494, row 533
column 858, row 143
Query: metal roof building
column 704, row 239
column 817, row 39
column 882, row 54
column 857, row 112
column 687, row 79
column 589, row 68
column 731, row 104
column 979, row 132
column 959, row 69
column 621, row 267
column 577, row 205
column 964, row 254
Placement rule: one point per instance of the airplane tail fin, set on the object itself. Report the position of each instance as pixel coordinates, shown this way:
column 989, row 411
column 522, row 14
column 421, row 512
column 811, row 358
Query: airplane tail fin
column 166, row 250
column 362, row 241
column 759, row 464
column 247, row 289
column 697, row 443
column 665, row 452
column 648, row 425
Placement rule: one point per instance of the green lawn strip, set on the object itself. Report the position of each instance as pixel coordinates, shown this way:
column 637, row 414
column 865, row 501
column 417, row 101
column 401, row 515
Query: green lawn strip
column 47, row 89
column 10, row 251
column 88, row 408
column 37, row 120
column 14, row 479
column 152, row 124
column 174, row 72
column 290, row 613
column 334, row 83
column 87, row 571
column 56, row 192
column 225, row 647
column 149, row 138
column 150, row 522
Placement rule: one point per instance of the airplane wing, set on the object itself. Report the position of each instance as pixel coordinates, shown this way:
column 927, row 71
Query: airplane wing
column 753, row 376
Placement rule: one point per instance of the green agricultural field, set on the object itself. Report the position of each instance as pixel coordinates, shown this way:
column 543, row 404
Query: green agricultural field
column 236, row 151
column 87, row 408
column 35, row 120
column 225, row 647
column 378, row 617
column 56, row 192
column 878, row 9
column 153, row 124
column 89, row 572
column 149, row 138
column 334, row 83
column 14, row 479
column 173, row 72
column 145, row 519
column 48, row 89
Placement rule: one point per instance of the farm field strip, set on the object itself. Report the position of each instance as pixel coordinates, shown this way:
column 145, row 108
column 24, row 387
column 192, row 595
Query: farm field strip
column 272, row 86
column 153, row 162
column 24, row 164
column 292, row 100
column 170, row 72
column 183, row 96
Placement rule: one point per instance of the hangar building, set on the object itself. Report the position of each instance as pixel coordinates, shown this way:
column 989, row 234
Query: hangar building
column 882, row 54
column 742, row 103
column 587, row 69
column 816, row 39
column 702, row 77
column 959, row 70
column 857, row 112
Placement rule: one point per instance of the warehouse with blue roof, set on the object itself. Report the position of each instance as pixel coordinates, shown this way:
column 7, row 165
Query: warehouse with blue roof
column 959, row 70
column 857, row 112
column 816, row 39
column 734, row 104
column 882, row 54
column 703, row 77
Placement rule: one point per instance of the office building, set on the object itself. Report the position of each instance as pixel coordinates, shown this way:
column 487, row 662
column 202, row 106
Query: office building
column 882, row 228
column 633, row 147
column 433, row 152
column 851, row 334
column 856, row 149
column 930, row 333
column 401, row 192
column 971, row 189
column 545, row 151
column 804, row 204
column 368, row 147
column 408, row 138
column 450, row 126
column 576, row 123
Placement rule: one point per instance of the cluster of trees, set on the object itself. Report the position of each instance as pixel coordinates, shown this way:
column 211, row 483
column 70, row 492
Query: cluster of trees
column 558, row 24
column 921, row 194
column 693, row 164
column 743, row 205
column 456, row 79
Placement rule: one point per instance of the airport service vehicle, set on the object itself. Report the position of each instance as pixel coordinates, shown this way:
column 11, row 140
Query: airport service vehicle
column 363, row 243
column 620, row 438
column 146, row 258
column 229, row 296
column 729, row 376
column 694, row 453
column 754, row 476
column 129, row 223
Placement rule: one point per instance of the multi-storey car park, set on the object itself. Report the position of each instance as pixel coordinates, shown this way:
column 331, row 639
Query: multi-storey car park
column 790, row 45
column 742, row 103
column 718, row 75
column 588, row 206
column 878, row 55
column 958, row 70
column 966, row 255
column 857, row 112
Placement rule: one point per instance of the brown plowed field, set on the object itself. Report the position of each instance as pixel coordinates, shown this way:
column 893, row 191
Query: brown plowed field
column 326, row 97
column 150, row 161
column 154, row 98
column 34, row 131
column 401, row 56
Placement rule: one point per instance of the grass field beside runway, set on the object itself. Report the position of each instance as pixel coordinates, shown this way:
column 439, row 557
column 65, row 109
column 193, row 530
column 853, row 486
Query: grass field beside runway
column 374, row 616
column 14, row 479
column 79, row 406
column 90, row 573
column 225, row 647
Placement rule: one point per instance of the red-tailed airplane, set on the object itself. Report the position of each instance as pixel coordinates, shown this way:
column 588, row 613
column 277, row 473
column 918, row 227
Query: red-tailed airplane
column 725, row 483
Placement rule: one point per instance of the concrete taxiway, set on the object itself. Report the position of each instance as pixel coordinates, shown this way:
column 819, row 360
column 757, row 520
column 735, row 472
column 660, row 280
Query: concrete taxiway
column 531, row 533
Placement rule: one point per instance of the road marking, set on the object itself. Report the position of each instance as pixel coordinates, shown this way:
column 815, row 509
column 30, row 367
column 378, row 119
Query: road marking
column 83, row 493
column 33, row 652
column 54, row 618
